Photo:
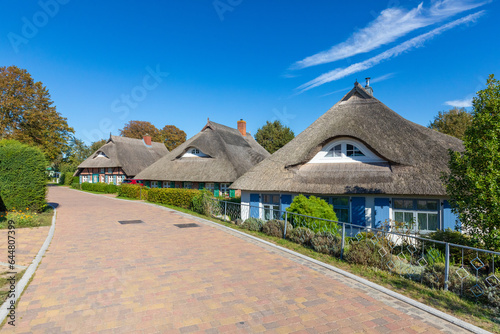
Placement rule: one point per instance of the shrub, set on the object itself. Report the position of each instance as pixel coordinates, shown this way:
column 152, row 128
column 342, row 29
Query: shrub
column 182, row 198
column 275, row 228
column 366, row 253
column 22, row 176
column 327, row 243
column 313, row 207
column 301, row 235
column 132, row 191
column 203, row 202
column 111, row 189
column 454, row 237
column 75, row 185
column 238, row 222
column 253, row 224
column 98, row 187
column 68, row 178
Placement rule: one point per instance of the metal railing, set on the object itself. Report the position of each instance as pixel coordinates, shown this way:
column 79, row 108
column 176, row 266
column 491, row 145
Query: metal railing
column 466, row 271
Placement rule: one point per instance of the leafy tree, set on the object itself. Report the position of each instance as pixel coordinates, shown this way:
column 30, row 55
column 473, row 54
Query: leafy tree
column 27, row 113
column 96, row 145
column 173, row 136
column 273, row 136
column 137, row 129
column 474, row 180
column 453, row 122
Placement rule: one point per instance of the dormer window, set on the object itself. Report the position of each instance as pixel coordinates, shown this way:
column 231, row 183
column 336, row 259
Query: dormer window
column 100, row 155
column 345, row 150
column 193, row 152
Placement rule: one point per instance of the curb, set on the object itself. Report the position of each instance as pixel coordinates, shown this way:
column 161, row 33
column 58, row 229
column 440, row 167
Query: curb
column 23, row 282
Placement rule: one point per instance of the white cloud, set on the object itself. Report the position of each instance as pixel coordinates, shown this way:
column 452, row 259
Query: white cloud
column 413, row 43
column 391, row 24
column 465, row 103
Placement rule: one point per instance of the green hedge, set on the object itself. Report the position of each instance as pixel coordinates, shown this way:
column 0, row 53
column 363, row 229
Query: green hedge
column 173, row 196
column 133, row 191
column 100, row 187
column 23, row 182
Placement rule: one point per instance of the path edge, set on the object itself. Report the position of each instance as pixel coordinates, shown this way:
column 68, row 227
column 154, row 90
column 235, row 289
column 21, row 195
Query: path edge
column 23, row 282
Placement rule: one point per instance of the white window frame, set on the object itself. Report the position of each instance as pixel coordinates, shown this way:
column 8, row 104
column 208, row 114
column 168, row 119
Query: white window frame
column 166, row 184
column 224, row 188
column 154, row 184
column 120, row 179
column 271, row 208
column 188, row 185
column 415, row 211
column 85, row 178
column 210, row 186
column 369, row 156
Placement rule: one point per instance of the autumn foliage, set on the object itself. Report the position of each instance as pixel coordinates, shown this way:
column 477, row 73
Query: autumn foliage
column 170, row 135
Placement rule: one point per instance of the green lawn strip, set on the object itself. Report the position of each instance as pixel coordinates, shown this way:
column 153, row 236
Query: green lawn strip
column 43, row 219
column 5, row 284
column 447, row 302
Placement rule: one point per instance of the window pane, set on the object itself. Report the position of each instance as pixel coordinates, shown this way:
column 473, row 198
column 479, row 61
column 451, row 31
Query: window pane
column 427, row 205
column 342, row 215
column 409, row 220
column 357, row 152
column 342, row 201
column 432, row 221
column 265, row 198
column 398, row 216
column 422, row 221
column 406, row 204
column 276, row 199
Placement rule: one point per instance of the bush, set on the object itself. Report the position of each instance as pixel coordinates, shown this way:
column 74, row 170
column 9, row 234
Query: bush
column 253, row 224
column 275, row 228
column 22, row 176
column 75, row 185
column 68, row 178
column 366, row 253
column 313, row 207
column 301, row 236
column 21, row 218
column 111, row 189
column 133, row 191
column 327, row 243
column 182, row 198
column 203, row 202
column 454, row 237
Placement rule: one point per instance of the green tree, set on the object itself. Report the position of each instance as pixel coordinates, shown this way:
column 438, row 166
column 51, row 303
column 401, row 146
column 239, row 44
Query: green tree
column 473, row 183
column 173, row 136
column 273, row 136
column 27, row 113
column 96, row 145
column 137, row 129
column 453, row 122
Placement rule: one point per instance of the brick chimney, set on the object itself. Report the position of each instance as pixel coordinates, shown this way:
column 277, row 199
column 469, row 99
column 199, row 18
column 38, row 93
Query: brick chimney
column 242, row 127
column 147, row 139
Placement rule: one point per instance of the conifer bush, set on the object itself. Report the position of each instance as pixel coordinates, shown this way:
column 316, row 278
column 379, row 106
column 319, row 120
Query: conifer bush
column 23, row 182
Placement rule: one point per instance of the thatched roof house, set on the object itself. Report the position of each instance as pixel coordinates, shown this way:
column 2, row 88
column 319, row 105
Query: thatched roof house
column 120, row 158
column 363, row 152
column 212, row 159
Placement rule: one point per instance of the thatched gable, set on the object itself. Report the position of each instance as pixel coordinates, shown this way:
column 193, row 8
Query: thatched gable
column 415, row 155
column 229, row 155
column 132, row 155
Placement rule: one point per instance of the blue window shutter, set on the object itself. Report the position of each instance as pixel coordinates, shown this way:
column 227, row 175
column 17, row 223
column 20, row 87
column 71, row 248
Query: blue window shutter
column 254, row 205
column 216, row 189
column 286, row 200
column 172, row 184
column 358, row 211
column 201, row 185
column 382, row 206
column 450, row 219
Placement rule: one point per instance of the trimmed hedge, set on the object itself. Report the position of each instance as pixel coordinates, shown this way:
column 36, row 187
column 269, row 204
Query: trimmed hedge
column 133, row 191
column 23, row 182
column 100, row 187
column 173, row 196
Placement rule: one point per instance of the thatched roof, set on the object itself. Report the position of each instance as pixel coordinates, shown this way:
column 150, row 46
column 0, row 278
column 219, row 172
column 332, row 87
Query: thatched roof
column 132, row 155
column 230, row 155
column 415, row 155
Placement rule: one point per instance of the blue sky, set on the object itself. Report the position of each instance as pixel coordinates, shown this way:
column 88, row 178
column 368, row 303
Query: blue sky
column 178, row 62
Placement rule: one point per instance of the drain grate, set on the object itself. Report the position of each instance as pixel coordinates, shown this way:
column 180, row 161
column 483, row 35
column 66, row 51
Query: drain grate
column 123, row 222
column 186, row 225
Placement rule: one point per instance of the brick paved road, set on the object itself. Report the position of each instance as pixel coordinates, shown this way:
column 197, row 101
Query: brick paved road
column 101, row 276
